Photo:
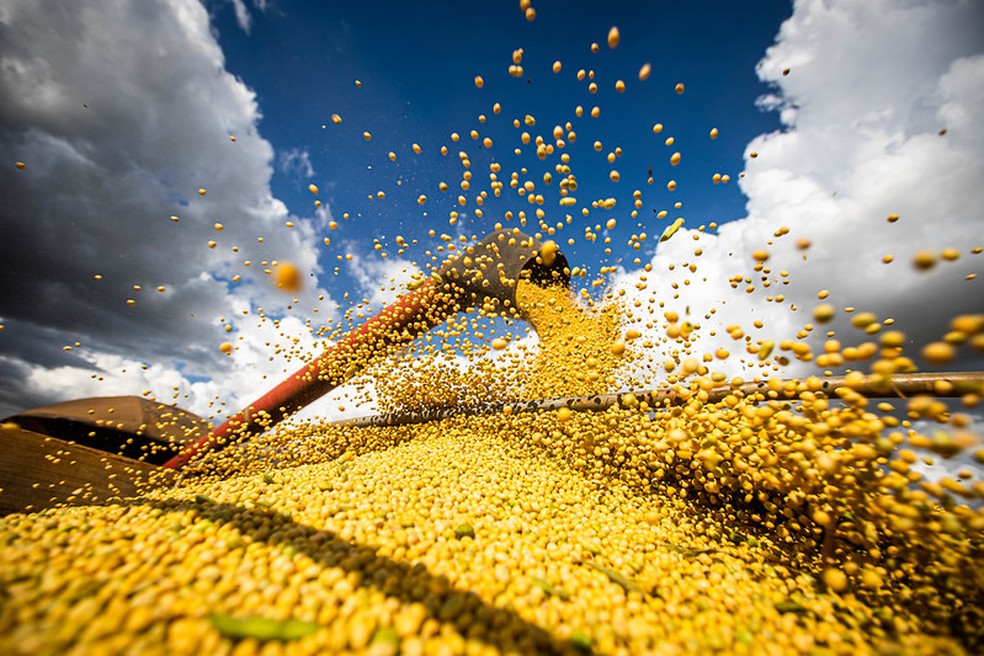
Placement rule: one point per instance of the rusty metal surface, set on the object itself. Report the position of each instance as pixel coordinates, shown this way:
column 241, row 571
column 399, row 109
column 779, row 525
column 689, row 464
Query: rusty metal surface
column 491, row 268
column 159, row 422
column 487, row 270
column 39, row 471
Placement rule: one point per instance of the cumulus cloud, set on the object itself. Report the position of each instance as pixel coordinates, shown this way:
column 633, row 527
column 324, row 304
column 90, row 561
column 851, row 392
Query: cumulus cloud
column 121, row 112
column 880, row 104
column 296, row 161
column 243, row 18
column 381, row 280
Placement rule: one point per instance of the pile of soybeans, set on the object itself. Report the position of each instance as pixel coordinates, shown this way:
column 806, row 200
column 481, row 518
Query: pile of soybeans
column 795, row 519
column 781, row 522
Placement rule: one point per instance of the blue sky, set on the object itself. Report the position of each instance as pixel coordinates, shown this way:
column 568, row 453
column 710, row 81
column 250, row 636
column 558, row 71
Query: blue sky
column 118, row 277
column 417, row 63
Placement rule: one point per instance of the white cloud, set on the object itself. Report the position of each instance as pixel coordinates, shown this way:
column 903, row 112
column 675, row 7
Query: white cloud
column 121, row 113
column 296, row 161
column 381, row 281
column 870, row 88
column 243, row 17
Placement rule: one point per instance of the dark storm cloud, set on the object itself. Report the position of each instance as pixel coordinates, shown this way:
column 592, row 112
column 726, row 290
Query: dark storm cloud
column 121, row 112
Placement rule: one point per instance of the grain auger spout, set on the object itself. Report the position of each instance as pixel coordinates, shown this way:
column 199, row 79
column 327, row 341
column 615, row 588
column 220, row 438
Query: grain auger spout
column 485, row 273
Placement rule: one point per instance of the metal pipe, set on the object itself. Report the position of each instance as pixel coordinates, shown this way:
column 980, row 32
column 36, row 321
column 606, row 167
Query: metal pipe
column 487, row 270
column 955, row 384
column 398, row 323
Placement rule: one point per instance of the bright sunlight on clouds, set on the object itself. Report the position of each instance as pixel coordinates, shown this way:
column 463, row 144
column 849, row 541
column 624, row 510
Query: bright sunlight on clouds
column 865, row 136
column 147, row 188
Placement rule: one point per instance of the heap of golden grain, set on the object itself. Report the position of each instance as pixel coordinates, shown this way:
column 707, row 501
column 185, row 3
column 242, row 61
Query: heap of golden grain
column 784, row 522
column 787, row 521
